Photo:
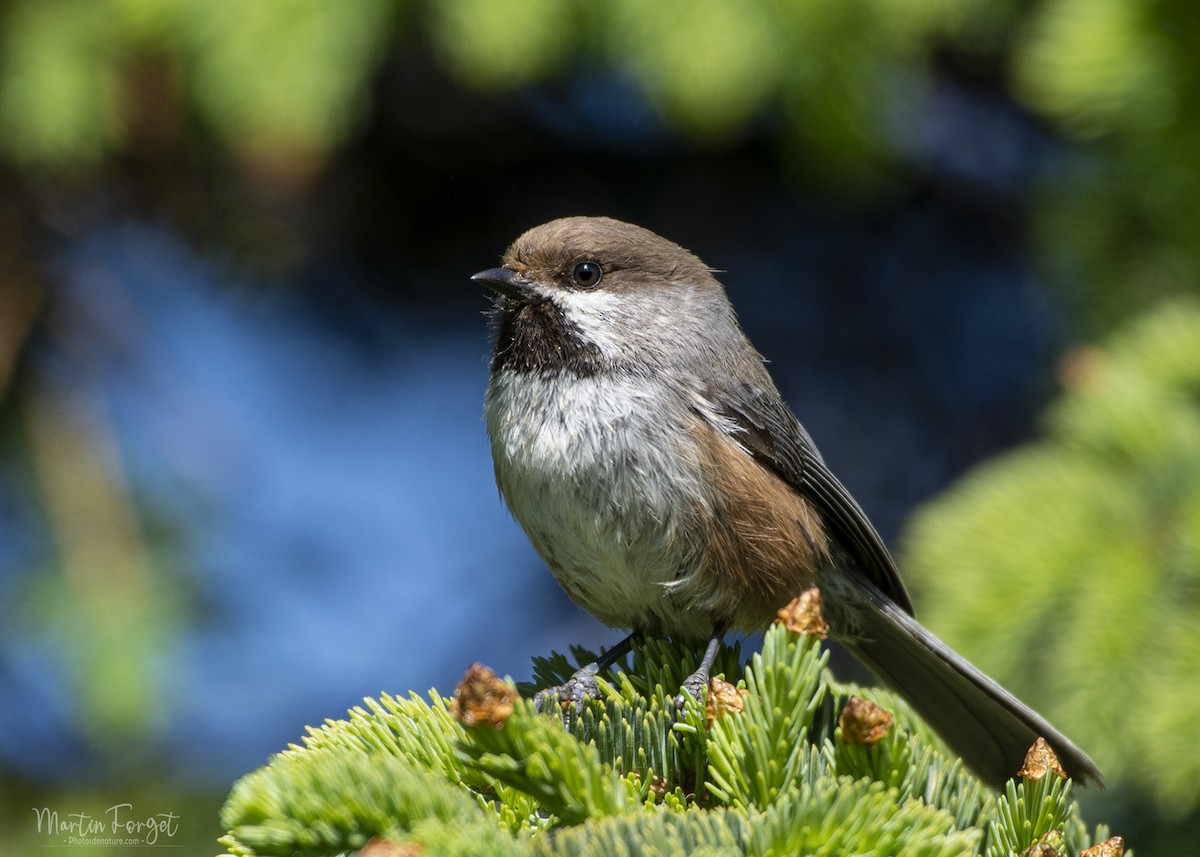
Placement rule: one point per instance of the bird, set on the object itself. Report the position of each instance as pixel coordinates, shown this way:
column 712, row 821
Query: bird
column 642, row 446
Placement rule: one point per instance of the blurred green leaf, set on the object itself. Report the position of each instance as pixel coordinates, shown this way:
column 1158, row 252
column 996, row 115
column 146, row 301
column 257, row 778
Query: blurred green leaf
column 1097, row 65
column 284, row 81
column 1124, row 79
column 108, row 605
column 499, row 44
column 286, row 77
column 709, row 64
column 60, row 99
column 1085, row 548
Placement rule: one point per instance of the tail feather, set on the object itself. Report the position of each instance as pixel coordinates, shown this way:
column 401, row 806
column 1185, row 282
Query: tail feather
column 978, row 719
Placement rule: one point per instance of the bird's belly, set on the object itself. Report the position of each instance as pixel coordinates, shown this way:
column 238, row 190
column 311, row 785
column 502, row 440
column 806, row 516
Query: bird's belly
column 604, row 492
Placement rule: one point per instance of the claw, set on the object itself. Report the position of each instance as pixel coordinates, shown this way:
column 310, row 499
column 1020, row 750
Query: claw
column 693, row 686
column 577, row 690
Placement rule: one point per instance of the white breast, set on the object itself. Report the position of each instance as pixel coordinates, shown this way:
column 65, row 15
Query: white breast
column 605, row 491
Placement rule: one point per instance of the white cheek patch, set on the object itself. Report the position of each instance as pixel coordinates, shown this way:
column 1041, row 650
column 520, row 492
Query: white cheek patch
column 591, row 313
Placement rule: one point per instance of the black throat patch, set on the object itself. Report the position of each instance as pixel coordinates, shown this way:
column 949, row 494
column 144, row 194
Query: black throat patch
column 535, row 336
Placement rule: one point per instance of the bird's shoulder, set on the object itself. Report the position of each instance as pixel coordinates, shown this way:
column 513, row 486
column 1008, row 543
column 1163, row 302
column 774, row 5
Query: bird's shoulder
column 753, row 414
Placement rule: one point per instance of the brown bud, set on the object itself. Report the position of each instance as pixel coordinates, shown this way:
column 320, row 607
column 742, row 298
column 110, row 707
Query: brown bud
column 723, row 698
column 1111, row 847
column 1050, row 845
column 1039, row 761
column 803, row 614
column 481, row 698
column 379, row 847
column 1084, row 368
column 864, row 722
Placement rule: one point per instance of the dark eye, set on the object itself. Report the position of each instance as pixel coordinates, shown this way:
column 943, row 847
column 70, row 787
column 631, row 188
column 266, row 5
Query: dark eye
column 587, row 275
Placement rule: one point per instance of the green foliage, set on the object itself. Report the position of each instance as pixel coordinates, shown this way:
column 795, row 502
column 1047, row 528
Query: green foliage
column 564, row 775
column 715, row 833
column 833, row 70
column 1027, row 812
column 629, row 777
column 59, row 94
column 108, row 601
column 290, row 78
column 845, row 816
column 708, row 64
column 504, row 44
column 323, row 801
column 847, row 84
column 1085, row 548
column 786, row 684
column 285, row 79
column 284, row 76
column 1123, row 78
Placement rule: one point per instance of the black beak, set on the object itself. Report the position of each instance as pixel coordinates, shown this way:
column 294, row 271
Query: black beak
column 506, row 281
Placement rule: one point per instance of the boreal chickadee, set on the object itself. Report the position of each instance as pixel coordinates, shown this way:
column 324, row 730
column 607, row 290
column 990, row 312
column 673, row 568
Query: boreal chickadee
column 639, row 441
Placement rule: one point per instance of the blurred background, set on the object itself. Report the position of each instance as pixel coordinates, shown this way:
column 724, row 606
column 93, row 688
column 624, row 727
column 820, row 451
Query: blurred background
column 244, row 479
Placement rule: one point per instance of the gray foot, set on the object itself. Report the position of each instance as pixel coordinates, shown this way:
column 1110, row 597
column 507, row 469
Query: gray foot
column 578, row 689
column 693, row 686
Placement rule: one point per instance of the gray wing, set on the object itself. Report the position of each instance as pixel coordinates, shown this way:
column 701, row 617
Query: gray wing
column 763, row 425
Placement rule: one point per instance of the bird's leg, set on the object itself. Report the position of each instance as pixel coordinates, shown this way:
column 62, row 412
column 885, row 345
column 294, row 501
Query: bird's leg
column 582, row 685
column 694, row 684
